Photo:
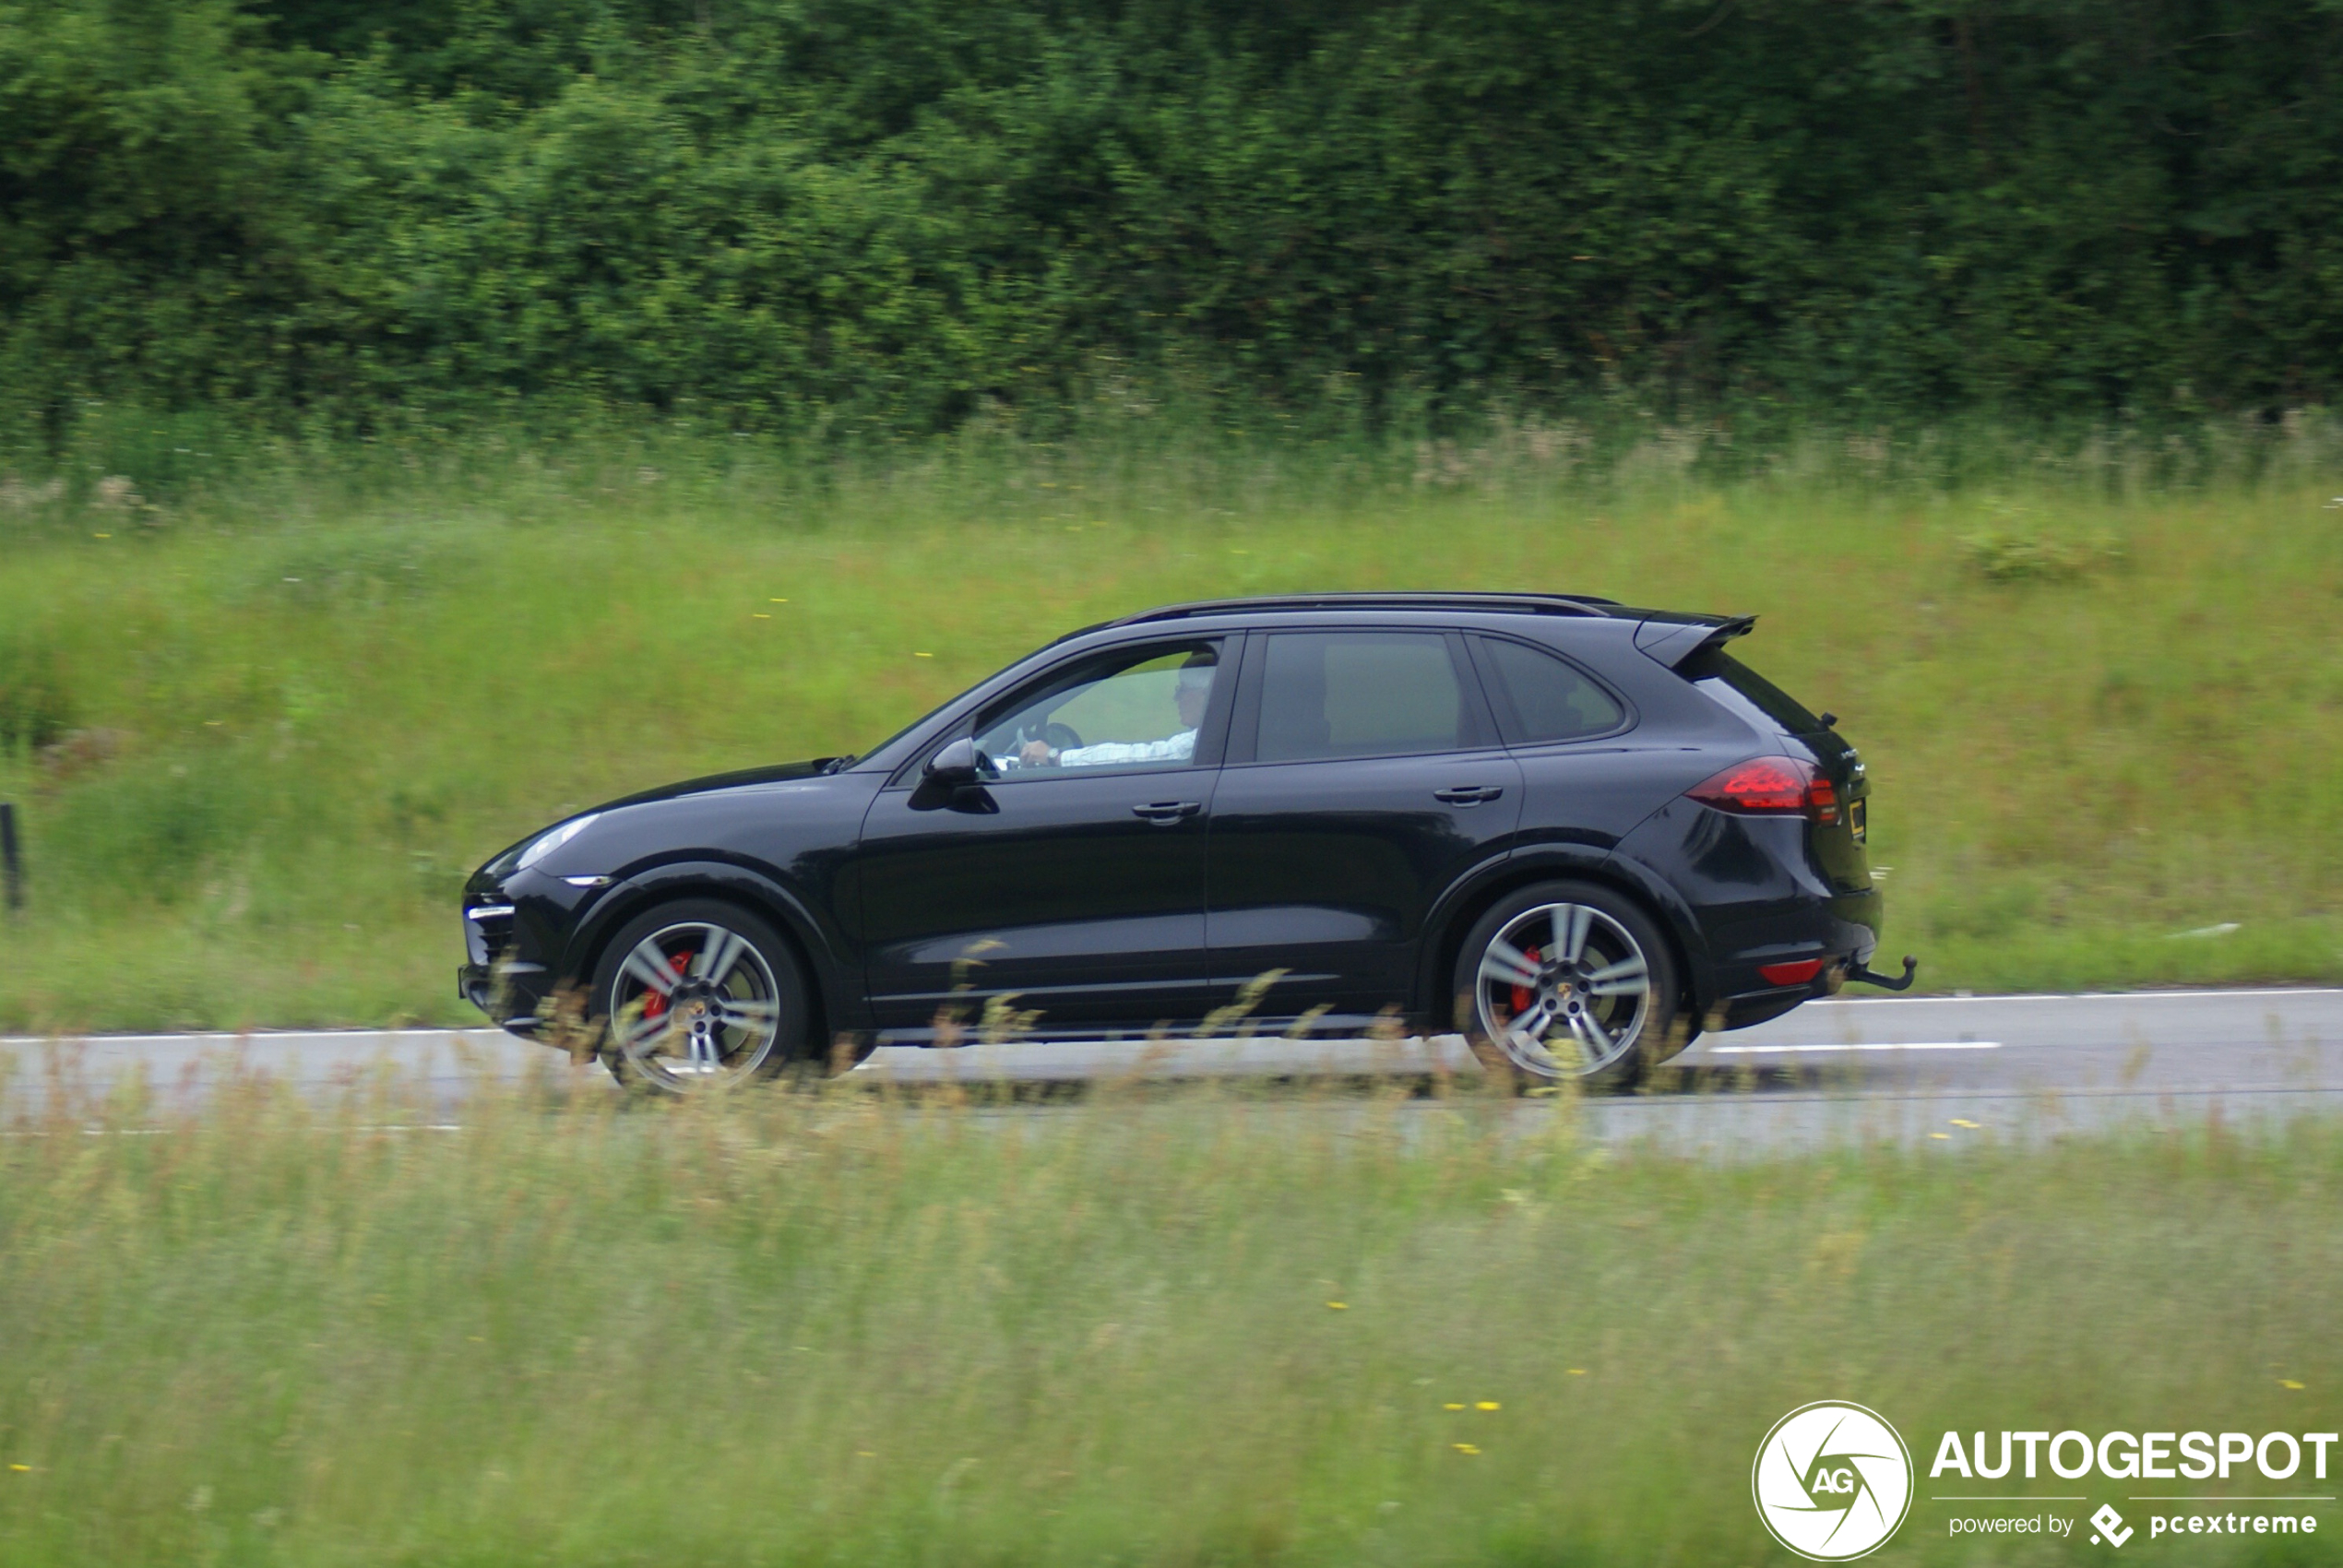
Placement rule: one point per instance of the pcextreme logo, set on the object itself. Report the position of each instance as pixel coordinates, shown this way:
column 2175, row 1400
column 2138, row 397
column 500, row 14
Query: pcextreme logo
column 1832, row 1482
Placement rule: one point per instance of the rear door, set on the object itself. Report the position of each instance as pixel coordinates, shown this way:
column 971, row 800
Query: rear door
column 1365, row 776
column 1570, row 732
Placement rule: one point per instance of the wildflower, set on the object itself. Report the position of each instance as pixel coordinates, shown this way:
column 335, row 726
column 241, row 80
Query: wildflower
column 1575, row 1372
column 1464, row 1448
column 780, row 602
column 1488, row 1405
column 758, row 615
column 1338, row 1306
column 1452, row 1407
column 1946, row 1135
column 1965, row 1122
column 923, row 656
column 21, row 1469
column 2288, row 1383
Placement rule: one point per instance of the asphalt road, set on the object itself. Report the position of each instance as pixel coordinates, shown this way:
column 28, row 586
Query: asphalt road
column 1944, row 1069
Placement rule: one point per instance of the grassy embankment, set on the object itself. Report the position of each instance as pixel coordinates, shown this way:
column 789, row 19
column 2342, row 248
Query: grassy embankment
column 296, row 706
column 1207, row 1329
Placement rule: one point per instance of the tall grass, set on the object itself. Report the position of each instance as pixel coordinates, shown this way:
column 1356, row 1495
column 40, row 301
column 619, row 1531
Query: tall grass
column 263, row 715
column 1202, row 1328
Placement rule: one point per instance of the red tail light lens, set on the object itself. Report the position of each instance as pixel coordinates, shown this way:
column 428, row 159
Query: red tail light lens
column 1769, row 785
column 1798, row 971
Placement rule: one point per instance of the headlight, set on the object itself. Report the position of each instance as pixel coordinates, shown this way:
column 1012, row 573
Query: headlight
column 547, row 842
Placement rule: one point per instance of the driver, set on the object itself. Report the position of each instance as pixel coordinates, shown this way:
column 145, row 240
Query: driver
column 1191, row 691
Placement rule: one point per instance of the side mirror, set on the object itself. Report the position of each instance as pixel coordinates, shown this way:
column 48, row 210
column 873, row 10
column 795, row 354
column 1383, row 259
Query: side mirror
column 959, row 763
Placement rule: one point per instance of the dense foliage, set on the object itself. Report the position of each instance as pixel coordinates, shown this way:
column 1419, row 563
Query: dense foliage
column 905, row 212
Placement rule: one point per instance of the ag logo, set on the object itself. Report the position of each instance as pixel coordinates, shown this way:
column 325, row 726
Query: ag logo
column 1832, row 1482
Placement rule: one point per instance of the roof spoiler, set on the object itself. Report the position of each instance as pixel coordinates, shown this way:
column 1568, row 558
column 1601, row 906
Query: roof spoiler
column 1671, row 642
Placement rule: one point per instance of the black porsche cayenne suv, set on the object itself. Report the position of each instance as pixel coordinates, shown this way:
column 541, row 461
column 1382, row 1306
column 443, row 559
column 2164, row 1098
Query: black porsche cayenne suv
column 1579, row 832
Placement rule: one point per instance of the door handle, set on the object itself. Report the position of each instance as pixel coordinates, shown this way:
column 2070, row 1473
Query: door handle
column 1165, row 813
column 1468, row 794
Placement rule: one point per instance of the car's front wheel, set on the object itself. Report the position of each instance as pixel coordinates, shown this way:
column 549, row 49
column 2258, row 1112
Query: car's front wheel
column 1568, row 980
column 699, row 995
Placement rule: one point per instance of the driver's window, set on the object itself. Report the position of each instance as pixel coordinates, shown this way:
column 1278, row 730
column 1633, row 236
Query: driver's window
column 1141, row 710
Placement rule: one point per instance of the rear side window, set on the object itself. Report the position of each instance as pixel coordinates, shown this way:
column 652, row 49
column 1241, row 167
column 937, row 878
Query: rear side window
column 1739, row 687
column 1359, row 694
column 1541, row 697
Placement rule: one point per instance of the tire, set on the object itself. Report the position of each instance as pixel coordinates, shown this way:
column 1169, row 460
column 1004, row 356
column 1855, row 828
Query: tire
column 1568, row 981
column 736, row 1007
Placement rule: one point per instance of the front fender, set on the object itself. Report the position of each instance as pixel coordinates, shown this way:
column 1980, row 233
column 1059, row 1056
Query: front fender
column 835, row 977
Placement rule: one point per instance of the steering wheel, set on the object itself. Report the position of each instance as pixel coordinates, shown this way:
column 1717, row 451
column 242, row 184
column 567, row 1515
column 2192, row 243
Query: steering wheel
column 1057, row 737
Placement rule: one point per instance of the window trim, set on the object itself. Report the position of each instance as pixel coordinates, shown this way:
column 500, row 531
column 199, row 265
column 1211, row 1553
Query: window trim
column 1500, row 696
column 1244, row 728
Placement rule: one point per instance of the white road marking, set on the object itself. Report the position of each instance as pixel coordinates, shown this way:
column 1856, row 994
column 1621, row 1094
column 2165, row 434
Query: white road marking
column 1910, row 1045
column 254, row 1036
column 337, row 1035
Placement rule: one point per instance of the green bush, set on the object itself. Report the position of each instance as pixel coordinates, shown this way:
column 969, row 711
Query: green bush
column 2019, row 556
column 839, row 214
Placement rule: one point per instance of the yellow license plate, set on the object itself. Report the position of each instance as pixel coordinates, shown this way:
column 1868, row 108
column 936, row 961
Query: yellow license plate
column 1859, row 818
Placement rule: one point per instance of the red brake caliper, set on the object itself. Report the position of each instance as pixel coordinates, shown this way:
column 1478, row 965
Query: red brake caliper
column 1521, row 997
column 655, row 1005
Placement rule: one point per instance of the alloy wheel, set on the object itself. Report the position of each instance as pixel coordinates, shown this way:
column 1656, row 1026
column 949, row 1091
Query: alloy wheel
column 695, row 1007
column 1564, row 990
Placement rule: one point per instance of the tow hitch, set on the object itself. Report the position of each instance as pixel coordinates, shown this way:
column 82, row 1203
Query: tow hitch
column 1857, row 972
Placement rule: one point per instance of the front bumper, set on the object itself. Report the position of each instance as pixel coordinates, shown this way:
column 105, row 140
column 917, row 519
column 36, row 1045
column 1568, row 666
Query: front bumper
column 512, row 927
column 508, row 997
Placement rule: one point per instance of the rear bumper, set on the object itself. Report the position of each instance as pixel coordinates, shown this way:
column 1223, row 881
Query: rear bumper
column 1838, row 933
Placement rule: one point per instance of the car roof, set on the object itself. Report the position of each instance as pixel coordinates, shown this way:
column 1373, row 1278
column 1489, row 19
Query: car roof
column 1582, row 607
column 1579, row 604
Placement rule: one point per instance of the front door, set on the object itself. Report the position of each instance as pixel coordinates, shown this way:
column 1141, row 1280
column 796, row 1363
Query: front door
column 1069, row 882
column 1365, row 776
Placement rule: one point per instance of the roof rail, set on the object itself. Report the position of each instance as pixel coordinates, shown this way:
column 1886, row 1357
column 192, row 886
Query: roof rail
column 1524, row 603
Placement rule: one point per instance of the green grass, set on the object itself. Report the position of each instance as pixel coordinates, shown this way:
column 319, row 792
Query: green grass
column 282, row 713
column 829, row 1329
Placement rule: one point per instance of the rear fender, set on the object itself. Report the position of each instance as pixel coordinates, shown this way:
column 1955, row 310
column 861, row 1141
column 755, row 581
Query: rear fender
column 1659, row 895
column 1493, row 879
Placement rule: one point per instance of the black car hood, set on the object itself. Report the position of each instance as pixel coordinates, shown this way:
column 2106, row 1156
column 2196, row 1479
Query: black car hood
column 773, row 772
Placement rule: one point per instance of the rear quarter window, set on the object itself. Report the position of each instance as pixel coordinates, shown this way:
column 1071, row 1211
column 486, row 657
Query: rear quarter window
column 1541, row 697
column 1747, row 693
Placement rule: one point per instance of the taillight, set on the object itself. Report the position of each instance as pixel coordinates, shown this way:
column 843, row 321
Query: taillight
column 1771, row 785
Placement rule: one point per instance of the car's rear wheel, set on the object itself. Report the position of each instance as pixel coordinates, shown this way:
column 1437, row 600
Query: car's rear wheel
column 1568, row 980
column 699, row 996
